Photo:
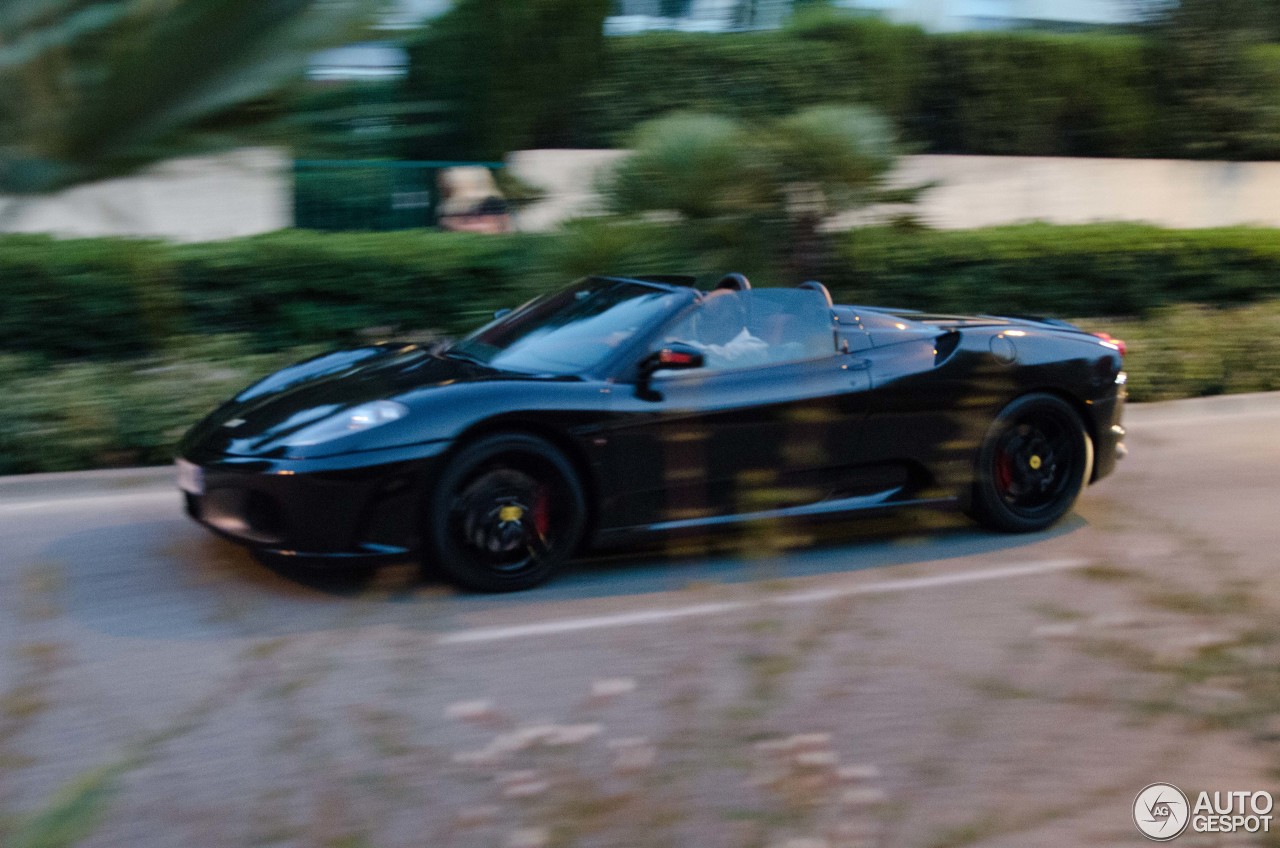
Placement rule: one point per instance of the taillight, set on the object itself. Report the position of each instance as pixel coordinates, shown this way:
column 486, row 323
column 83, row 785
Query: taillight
column 1118, row 344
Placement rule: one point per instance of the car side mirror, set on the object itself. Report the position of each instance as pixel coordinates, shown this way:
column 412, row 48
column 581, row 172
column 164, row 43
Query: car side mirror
column 675, row 356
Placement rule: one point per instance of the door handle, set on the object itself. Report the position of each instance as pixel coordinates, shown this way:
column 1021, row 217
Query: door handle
column 859, row 373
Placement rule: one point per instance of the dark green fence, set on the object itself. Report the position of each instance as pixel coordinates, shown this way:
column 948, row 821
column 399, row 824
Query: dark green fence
column 368, row 195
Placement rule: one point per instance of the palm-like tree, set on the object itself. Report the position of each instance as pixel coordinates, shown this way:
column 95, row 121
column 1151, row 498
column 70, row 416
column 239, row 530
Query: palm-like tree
column 97, row 88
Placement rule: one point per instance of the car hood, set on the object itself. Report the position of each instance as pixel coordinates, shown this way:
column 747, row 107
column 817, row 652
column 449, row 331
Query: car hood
column 256, row 421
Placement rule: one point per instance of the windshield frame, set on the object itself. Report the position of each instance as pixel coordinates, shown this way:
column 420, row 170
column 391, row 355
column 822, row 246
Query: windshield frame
column 605, row 367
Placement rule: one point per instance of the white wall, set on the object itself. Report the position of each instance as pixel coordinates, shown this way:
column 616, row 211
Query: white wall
column 204, row 198
column 955, row 15
column 982, row 191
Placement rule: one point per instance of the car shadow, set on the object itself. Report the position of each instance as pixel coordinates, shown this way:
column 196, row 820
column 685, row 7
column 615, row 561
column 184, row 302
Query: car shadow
column 746, row 555
column 168, row 579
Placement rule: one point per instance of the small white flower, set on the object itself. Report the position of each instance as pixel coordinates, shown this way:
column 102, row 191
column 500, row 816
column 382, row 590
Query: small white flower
column 572, row 734
column 521, row 776
column 528, row 837
column 862, row 797
column 809, row 741
column 612, row 687
column 470, row 710
column 858, row 773
column 816, row 759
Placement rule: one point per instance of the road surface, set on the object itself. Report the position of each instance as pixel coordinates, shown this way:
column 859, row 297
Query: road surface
column 898, row 682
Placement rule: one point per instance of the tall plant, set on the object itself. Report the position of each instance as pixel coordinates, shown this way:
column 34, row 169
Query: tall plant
column 97, row 88
column 509, row 74
column 1206, row 58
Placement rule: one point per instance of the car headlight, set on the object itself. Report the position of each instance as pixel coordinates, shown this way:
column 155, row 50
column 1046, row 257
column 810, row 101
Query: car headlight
column 357, row 419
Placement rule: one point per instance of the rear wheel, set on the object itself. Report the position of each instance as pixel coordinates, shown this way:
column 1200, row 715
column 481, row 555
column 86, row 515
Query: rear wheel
column 507, row 511
column 1032, row 465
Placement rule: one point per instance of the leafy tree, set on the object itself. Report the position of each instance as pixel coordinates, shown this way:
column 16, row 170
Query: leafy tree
column 1205, row 60
column 774, row 183
column 97, row 88
column 510, row 73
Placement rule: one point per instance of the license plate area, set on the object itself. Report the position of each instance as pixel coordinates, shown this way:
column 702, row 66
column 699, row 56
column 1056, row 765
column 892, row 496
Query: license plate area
column 190, row 477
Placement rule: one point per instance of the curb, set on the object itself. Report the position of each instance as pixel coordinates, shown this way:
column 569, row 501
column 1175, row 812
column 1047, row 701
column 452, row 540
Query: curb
column 1217, row 406
column 78, row 482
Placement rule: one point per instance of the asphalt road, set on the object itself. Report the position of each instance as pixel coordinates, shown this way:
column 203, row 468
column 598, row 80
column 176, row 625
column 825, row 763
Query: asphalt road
column 953, row 674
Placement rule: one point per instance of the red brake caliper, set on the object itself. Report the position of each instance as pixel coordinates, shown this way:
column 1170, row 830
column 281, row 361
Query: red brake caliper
column 542, row 511
column 1004, row 471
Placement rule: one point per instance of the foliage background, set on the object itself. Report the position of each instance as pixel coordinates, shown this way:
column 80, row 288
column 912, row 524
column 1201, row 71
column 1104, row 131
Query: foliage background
column 111, row 299
column 1195, row 85
column 110, row 349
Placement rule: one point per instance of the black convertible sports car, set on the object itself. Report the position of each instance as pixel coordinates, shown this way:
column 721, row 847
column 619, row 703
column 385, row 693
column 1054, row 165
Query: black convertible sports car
column 626, row 405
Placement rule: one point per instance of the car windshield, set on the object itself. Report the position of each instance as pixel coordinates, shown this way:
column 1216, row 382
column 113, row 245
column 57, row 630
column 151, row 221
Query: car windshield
column 570, row 331
column 756, row 328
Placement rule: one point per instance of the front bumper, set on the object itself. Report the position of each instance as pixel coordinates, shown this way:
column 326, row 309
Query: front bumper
column 364, row 506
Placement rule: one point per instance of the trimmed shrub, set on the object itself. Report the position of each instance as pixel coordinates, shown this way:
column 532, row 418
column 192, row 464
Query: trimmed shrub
column 97, row 297
column 1182, row 351
column 1037, row 94
column 753, row 76
column 297, row 287
column 506, row 72
column 72, row 415
column 75, row 415
column 108, row 299
column 1101, row 269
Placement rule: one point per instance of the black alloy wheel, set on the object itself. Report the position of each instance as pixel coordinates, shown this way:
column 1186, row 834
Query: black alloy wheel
column 1033, row 463
column 507, row 511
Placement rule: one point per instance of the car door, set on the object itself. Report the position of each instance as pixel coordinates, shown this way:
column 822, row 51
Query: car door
column 721, row 440
column 931, row 402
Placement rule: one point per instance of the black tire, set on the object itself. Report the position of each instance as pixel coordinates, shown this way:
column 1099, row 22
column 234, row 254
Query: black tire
column 1032, row 465
column 505, row 514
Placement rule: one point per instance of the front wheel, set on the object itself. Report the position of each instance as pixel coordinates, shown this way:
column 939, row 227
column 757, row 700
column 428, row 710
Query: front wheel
column 1032, row 465
column 506, row 512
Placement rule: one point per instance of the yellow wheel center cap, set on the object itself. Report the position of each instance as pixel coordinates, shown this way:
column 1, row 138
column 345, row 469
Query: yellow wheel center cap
column 1034, row 463
column 510, row 513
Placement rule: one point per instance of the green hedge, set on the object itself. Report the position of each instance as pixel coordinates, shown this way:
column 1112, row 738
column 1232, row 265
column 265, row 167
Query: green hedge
column 77, row 298
column 72, row 415
column 1188, row 350
column 1013, row 93
column 298, row 287
column 109, row 299
column 92, row 414
column 1037, row 94
column 110, row 349
column 1102, row 269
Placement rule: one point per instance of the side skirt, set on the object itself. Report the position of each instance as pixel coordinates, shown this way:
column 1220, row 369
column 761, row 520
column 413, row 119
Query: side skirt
column 861, row 503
